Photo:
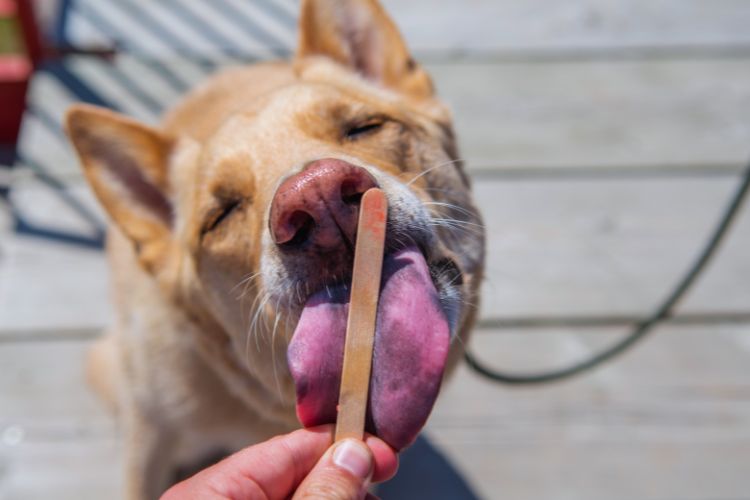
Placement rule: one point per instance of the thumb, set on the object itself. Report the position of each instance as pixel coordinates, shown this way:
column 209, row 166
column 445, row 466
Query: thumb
column 343, row 473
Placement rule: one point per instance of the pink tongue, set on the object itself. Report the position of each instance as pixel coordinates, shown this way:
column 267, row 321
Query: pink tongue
column 411, row 345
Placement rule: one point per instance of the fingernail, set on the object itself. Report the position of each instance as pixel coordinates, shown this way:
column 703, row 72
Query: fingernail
column 353, row 456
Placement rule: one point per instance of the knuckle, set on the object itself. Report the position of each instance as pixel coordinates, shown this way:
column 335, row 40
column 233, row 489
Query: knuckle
column 333, row 487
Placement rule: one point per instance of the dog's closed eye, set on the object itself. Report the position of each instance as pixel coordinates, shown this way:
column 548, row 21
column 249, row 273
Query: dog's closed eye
column 220, row 214
column 359, row 130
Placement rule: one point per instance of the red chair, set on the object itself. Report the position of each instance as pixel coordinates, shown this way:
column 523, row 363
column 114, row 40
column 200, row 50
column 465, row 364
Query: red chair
column 15, row 71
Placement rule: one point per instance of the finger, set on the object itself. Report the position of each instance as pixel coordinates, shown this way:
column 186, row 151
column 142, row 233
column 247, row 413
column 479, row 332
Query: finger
column 343, row 473
column 272, row 469
column 386, row 459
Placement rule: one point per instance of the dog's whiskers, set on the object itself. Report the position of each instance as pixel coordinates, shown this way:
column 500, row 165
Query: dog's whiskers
column 440, row 165
column 246, row 280
column 298, row 288
column 451, row 206
column 273, row 349
column 251, row 326
column 448, row 223
column 457, row 338
column 253, row 314
column 256, row 317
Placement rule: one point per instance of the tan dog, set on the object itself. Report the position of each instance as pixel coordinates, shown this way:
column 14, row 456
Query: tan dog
column 232, row 238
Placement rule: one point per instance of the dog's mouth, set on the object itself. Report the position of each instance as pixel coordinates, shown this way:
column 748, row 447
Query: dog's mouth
column 412, row 339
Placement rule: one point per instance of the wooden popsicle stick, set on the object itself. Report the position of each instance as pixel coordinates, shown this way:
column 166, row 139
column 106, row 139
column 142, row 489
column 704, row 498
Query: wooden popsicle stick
column 363, row 306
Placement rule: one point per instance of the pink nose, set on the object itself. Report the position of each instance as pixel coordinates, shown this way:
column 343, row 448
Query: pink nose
column 319, row 206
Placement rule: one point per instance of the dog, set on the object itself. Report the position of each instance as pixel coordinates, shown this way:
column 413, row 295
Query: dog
column 231, row 246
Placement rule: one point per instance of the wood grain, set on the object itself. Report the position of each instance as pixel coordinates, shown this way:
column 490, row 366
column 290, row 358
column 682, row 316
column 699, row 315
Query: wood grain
column 363, row 307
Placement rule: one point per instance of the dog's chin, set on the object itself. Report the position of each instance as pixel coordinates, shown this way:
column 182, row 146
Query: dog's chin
column 417, row 316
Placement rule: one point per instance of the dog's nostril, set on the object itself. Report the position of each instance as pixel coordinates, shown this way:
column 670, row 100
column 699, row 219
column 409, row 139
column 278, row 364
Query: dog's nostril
column 303, row 224
column 351, row 192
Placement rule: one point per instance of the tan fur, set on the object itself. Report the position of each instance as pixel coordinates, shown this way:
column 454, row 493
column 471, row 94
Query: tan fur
column 196, row 360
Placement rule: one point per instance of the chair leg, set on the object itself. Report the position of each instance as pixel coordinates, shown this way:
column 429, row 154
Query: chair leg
column 7, row 160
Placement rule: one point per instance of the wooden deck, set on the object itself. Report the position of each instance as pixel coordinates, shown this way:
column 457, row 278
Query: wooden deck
column 604, row 139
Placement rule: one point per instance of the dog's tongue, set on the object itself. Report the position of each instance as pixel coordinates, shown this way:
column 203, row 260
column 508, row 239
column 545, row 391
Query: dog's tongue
column 411, row 346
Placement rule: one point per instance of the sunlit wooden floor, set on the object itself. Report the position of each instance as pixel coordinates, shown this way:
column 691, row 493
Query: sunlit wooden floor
column 604, row 139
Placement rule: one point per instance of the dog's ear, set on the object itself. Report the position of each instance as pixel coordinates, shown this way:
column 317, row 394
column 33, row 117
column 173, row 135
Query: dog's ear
column 126, row 164
column 360, row 35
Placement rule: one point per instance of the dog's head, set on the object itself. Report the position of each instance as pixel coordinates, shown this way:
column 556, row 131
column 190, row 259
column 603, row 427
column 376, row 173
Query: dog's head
column 244, row 211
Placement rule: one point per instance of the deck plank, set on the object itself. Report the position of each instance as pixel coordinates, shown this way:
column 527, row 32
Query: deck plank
column 608, row 246
column 51, row 286
column 44, row 396
column 599, row 114
column 64, row 470
column 56, row 440
column 448, row 28
column 522, row 26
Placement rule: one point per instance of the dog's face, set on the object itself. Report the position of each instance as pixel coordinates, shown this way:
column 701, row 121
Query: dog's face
column 250, row 229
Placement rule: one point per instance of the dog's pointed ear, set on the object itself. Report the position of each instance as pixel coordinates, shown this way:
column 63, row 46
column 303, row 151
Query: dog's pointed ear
column 360, row 35
column 127, row 165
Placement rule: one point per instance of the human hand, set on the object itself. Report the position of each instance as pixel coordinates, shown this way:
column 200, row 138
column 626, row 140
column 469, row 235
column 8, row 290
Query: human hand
column 302, row 463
